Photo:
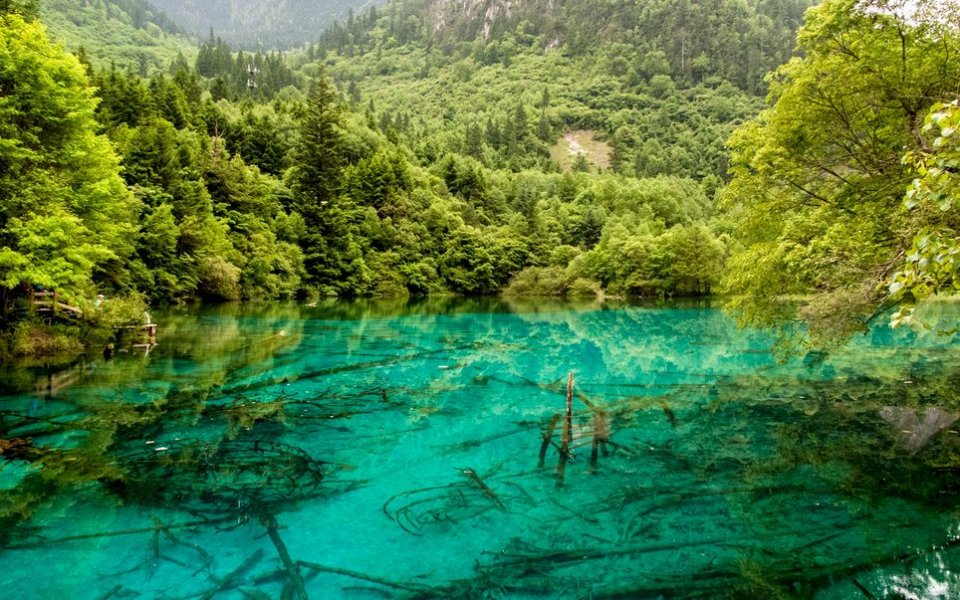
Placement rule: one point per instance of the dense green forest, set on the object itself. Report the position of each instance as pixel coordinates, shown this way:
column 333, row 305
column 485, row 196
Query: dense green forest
column 130, row 34
column 417, row 150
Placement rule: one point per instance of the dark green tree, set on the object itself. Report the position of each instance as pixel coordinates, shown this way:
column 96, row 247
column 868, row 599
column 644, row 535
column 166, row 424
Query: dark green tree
column 319, row 154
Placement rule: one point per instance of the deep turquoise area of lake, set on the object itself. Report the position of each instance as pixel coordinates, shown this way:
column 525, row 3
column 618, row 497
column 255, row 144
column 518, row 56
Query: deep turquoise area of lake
column 424, row 450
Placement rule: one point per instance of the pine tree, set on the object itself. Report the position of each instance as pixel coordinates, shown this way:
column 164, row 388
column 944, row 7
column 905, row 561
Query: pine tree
column 320, row 152
column 544, row 130
column 330, row 256
column 473, row 141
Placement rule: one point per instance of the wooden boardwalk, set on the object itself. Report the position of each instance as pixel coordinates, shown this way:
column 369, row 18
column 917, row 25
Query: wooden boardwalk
column 47, row 303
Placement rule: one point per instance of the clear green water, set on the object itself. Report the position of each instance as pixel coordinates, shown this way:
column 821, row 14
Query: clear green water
column 370, row 451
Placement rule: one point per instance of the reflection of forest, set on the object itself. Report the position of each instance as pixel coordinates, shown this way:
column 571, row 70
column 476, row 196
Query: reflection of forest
column 243, row 414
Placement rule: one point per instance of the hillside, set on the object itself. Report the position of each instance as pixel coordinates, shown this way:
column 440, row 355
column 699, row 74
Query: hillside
column 663, row 83
column 254, row 24
column 127, row 33
column 739, row 41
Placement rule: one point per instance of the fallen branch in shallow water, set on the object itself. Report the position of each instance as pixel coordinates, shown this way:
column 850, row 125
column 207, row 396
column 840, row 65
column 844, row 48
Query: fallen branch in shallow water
column 359, row 366
column 668, row 412
column 591, row 520
column 111, row 592
column 547, row 439
column 567, row 435
column 475, row 443
column 410, row 587
column 456, row 502
column 105, row 534
column 863, row 590
column 483, row 487
column 207, row 558
column 293, row 573
column 230, row 581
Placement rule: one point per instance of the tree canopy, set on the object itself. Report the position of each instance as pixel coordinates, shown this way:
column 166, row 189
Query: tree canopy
column 932, row 263
column 818, row 178
column 65, row 213
column 390, row 158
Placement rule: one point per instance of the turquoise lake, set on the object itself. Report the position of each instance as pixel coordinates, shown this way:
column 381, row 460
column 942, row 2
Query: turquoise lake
column 423, row 450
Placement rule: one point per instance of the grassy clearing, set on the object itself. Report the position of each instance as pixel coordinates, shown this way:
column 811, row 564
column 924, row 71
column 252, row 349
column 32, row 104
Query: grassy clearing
column 581, row 142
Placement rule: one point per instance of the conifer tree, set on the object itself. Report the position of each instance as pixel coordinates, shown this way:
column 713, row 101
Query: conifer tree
column 319, row 154
column 316, row 184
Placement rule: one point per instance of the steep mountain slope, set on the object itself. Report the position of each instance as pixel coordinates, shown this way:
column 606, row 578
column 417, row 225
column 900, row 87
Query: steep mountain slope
column 128, row 33
column 738, row 40
column 260, row 23
column 664, row 82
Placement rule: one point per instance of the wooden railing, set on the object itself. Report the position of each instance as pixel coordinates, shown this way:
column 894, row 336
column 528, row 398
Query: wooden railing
column 46, row 302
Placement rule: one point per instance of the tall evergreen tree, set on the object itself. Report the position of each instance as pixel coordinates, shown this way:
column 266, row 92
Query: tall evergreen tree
column 327, row 248
column 320, row 151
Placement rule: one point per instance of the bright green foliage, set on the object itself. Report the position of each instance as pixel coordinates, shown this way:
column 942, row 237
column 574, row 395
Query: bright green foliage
column 632, row 237
column 269, row 264
column 694, row 259
column 64, row 211
column 818, row 178
column 53, row 250
column 932, row 264
column 127, row 33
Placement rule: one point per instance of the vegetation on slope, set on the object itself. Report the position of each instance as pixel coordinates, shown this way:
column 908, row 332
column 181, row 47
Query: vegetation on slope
column 127, row 33
column 501, row 87
column 260, row 24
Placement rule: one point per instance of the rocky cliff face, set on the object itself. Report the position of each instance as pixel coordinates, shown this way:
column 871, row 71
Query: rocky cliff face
column 469, row 19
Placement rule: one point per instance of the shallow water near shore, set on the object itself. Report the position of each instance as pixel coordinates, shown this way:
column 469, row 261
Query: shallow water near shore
column 373, row 450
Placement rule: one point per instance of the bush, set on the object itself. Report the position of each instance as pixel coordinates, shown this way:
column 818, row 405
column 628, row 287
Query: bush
column 30, row 340
column 584, row 288
column 562, row 255
column 538, row 281
column 219, row 279
column 120, row 312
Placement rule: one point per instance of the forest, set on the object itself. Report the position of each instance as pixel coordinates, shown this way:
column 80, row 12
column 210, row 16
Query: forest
column 770, row 151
